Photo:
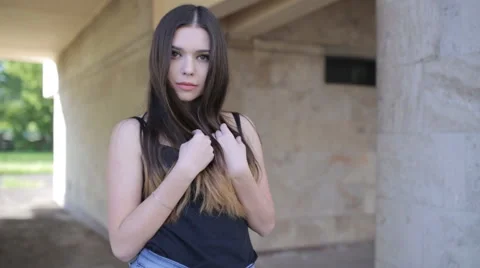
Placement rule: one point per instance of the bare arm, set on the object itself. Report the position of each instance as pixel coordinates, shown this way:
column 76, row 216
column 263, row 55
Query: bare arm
column 256, row 197
column 131, row 223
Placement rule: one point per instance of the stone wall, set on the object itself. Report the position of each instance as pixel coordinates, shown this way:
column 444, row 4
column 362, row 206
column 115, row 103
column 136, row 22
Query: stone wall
column 347, row 26
column 318, row 138
column 103, row 79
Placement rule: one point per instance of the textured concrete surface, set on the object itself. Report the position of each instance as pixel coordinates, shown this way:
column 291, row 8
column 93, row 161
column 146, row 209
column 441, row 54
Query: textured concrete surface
column 35, row 233
column 318, row 140
column 358, row 255
column 345, row 26
column 319, row 152
column 103, row 79
column 428, row 212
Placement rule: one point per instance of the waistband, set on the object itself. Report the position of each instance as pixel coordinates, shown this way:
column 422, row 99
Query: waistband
column 149, row 259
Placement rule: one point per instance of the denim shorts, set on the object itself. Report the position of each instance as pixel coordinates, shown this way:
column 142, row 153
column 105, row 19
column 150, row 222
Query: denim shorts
column 148, row 259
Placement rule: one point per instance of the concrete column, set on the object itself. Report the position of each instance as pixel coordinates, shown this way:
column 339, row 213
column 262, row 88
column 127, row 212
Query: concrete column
column 428, row 168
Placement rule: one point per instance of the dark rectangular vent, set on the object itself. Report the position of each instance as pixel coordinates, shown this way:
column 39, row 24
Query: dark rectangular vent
column 347, row 70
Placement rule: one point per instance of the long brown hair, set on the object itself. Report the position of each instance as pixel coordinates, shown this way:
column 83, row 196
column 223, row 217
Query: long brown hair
column 172, row 121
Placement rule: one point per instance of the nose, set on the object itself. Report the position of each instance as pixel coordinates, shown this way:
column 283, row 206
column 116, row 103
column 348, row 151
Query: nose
column 188, row 66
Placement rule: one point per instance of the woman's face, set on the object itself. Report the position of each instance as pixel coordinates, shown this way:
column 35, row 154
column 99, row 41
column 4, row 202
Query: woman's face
column 189, row 62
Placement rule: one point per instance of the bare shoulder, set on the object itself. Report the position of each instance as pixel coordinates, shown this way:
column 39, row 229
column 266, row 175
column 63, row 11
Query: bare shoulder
column 126, row 134
column 129, row 125
column 126, row 128
column 248, row 127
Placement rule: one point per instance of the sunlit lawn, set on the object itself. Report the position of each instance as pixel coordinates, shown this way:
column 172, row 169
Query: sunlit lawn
column 19, row 163
column 12, row 182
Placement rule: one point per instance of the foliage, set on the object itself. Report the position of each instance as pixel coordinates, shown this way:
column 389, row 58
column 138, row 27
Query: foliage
column 25, row 114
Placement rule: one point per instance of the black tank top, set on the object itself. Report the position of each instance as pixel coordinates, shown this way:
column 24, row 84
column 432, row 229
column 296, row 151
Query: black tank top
column 199, row 240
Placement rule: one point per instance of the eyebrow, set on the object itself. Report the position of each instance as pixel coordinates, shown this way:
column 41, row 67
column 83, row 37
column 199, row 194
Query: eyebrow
column 198, row 51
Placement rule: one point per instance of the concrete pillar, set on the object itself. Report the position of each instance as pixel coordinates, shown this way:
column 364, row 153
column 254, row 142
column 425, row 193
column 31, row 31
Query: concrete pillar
column 428, row 168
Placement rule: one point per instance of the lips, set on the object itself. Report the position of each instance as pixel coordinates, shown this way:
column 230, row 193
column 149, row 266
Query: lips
column 187, row 86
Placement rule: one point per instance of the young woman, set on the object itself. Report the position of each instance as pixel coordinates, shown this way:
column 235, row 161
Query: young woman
column 186, row 180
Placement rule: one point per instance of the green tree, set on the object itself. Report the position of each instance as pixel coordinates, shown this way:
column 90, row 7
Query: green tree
column 23, row 109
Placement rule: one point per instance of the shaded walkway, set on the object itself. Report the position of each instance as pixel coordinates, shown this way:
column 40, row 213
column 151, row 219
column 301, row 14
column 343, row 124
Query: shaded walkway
column 52, row 238
column 36, row 233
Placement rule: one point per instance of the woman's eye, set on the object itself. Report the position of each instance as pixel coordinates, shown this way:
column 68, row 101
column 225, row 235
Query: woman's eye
column 175, row 54
column 203, row 57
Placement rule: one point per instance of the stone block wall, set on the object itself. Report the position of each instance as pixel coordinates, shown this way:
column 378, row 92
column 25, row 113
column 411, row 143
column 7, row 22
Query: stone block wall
column 318, row 139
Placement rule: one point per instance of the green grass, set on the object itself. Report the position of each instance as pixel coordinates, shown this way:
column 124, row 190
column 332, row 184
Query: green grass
column 11, row 182
column 19, row 163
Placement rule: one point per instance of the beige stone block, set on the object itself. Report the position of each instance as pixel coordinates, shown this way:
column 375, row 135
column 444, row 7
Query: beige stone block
column 297, row 232
column 363, row 102
column 273, row 70
column 114, row 28
column 296, row 72
column 361, row 167
column 312, row 121
column 108, row 82
column 346, row 23
column 356, row 189
column 287, row 47
column 241, row 62
column 354, row 227
column 329, row 103
column 400, row 98
column 303, row 185
column 306, row 185
column 274, row 118
column 452, row 95
column 340, row 136
column 274, row 130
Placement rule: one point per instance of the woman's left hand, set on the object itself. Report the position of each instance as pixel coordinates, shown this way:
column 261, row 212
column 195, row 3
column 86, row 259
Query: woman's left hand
column 234, row 152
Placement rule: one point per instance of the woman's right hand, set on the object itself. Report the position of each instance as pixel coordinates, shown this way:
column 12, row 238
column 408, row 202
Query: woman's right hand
column 195, row 154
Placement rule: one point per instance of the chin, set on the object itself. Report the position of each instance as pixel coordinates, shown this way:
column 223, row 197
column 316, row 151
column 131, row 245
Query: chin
column 187, row 96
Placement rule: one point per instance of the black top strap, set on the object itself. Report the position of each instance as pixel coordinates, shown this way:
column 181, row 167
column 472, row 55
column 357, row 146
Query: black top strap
column 236, row 116
column 141, row 121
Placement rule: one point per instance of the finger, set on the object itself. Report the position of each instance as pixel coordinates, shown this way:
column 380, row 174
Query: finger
column 218, row 133
column 197, row 132
column 225, row 130
column 239, row 140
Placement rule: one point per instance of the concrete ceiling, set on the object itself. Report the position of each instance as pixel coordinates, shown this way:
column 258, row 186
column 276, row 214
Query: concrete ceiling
column 38, row 29
column 247, row 19
column 266, row 15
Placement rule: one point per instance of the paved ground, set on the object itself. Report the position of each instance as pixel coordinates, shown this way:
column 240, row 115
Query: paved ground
column 34, row 232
